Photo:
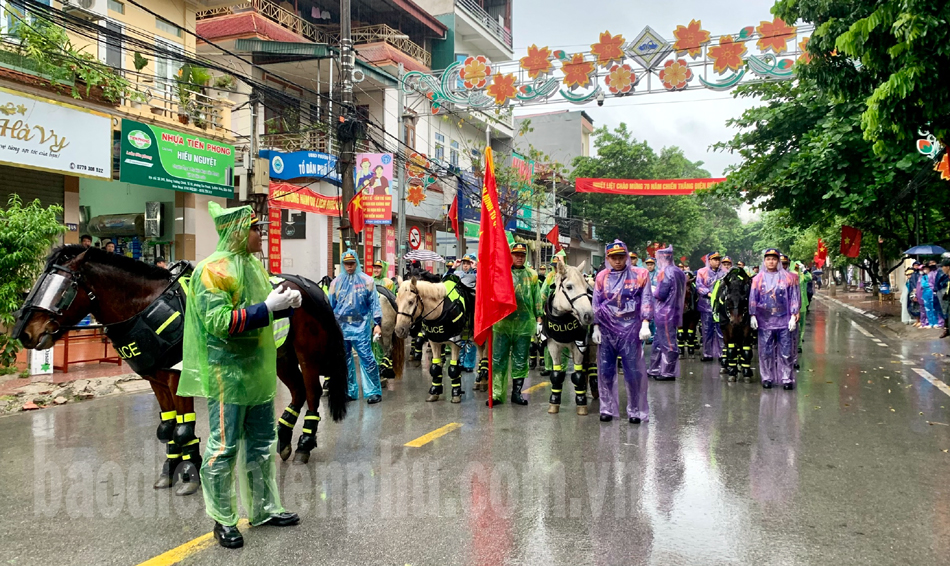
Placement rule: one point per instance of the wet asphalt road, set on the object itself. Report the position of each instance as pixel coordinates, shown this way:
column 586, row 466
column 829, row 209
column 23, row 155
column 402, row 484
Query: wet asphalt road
column 845, row 470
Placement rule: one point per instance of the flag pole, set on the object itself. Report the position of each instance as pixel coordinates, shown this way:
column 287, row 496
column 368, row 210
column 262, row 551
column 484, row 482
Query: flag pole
column 491, row 389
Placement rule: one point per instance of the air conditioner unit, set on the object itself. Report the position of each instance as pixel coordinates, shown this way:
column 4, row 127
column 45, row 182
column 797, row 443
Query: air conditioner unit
column 153, row 220
column 86, row 9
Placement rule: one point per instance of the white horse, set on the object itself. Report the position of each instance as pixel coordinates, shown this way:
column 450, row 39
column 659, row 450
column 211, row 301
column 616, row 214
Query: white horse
column 445, row 316
column 568, row 314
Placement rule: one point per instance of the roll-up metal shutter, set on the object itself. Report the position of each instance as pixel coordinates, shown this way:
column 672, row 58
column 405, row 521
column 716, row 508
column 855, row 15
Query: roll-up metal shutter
column 30, row 185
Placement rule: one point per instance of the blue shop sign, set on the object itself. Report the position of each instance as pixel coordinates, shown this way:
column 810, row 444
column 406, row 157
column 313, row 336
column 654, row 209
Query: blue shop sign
column 302, row 165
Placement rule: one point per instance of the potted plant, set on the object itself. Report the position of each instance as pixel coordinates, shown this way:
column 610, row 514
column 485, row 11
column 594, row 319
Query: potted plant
column 224, row 85
column 138, row 96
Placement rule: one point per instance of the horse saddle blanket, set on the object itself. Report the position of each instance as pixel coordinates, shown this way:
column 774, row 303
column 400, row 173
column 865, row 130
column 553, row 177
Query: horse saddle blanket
column 451, row 324
column 152, row 339
column 565, row 328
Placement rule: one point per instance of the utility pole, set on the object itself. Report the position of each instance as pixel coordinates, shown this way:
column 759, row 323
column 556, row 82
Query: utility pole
column 347, row 139
column 401, row 175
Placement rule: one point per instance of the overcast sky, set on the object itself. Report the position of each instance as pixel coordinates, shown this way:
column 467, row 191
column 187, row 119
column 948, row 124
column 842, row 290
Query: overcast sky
column 692, row 120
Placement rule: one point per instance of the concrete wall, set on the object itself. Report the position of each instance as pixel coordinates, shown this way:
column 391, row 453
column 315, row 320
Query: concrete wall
column 307, row 257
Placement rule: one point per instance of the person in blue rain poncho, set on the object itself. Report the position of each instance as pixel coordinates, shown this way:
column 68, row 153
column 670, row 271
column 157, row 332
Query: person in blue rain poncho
column 774, row 304
column 356, row 306
column 705, row 282
column 623, row 309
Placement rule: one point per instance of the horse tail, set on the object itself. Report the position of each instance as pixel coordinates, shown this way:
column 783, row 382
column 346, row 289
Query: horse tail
column 398, row 355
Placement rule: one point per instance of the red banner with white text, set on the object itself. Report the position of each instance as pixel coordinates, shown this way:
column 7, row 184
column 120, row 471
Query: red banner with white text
column 644, row 187
column 285, row 195
column 273, row 240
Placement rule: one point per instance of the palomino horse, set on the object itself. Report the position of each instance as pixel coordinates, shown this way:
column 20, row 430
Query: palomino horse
column 732, row 308
column 446, row 310
column 392, row 346
column 568, row 312
column 116, row 290
column 686, row 338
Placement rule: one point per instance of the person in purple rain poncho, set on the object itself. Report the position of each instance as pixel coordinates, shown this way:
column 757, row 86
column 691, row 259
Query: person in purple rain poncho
column 774, row 304
column 623, row 308
column 669, row 296
column 705, row 281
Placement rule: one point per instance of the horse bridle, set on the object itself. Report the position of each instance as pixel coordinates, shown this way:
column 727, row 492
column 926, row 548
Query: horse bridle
column 54, row 292
column 419, row 304
column 571, row 300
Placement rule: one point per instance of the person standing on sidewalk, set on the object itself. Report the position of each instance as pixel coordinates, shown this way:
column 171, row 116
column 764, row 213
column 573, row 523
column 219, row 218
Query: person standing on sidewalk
column 229, row 357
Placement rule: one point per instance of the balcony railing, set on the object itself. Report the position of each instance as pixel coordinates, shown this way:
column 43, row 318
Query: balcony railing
column 486, row 19
column 162, row 98
column 394, row 37
column 275, row 13
column 309, row 140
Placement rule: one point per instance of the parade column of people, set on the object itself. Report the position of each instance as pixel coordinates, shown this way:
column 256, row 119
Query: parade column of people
column 229, row 357
column 669, row 296
column 623, row 309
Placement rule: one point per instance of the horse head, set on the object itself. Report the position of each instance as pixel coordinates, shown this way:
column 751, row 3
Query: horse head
column 738, row 286
column 59, row 299
column 570, row 293
column 408, row 306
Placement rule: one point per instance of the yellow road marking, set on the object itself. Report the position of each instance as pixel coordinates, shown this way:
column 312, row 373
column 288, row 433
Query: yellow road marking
column 177, row 554
column 541, row 385
column 427, row 438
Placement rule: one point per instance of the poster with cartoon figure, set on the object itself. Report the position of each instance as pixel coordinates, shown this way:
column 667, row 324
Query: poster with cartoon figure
column 374, row 173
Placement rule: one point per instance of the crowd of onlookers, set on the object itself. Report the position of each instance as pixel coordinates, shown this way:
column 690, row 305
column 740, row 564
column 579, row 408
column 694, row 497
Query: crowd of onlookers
column 924, row 302
column 109, row 246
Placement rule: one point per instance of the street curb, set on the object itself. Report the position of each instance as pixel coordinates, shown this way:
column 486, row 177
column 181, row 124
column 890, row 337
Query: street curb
column 849, row 307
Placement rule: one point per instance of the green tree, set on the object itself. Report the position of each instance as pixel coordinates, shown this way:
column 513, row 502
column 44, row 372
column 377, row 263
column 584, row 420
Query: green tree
column 26, row 234
column 891, row 56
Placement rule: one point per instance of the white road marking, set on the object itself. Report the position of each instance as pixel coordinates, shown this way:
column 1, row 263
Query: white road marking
column 862, row 330
column 933, row 380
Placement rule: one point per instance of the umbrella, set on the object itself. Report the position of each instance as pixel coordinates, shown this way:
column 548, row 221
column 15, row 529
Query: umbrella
column 424, row 255
column 926, row 249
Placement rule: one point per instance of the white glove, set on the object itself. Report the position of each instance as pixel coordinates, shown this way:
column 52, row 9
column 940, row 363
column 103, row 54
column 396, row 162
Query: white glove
column 539, row 329
column 754, row 323
column 296, row 299
column 279, row 299
column 645, row 330
column 792, row 324
column 595, row 337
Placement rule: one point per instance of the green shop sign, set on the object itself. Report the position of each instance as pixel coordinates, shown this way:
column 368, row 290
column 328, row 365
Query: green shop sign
column 156, row 157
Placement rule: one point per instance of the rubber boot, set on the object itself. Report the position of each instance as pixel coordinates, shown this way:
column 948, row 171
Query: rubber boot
column 681, row 341
column 747, row 363
column 308, row 439
column 435, row 370
column 579, row 379
column 166, row 428
column 557, row 381
column 592, row 381
column 285, row 431
column 533, row 355
column 483, row 373
column 168, row 475
column 190, row 454
column 516, row 398
column 455, row 374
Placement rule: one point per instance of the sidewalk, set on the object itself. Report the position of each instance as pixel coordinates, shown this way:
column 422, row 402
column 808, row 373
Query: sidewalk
column 86, row 381
column 888, row 314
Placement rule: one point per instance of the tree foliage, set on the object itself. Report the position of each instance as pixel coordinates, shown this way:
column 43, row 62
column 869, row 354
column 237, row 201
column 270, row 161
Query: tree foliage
column 26, row 234
column 886, row 55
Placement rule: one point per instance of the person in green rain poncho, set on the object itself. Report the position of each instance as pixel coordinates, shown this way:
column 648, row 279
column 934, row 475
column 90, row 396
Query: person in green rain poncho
column 230, row 358
column 804, row 276
column 383, row 360
column 546, row 288
column 512, row 335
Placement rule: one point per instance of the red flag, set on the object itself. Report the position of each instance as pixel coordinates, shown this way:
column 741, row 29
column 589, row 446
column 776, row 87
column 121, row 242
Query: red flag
column 354, row 211
column 496, row 289
column 822, row 250
column 850, row 241
column 454, row 214
column 554, row 236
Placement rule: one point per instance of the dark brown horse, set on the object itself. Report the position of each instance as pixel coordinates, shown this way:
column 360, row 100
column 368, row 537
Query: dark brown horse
column 687, row 339
column 114, row 289
column 731, row 305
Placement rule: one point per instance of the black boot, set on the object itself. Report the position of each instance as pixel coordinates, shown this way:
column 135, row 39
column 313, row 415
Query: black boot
column 190, row 454
column 308, row 439
column 788, row 386
column 516, row 398
column 557, row 381
column 166, row 428
column 285, row 431
column 228, row 536
column 455, row 375
column 435, row 370
column 766, row 385
column 592, row 381
column 606, row 418
column 285, row 519
column 483, row 374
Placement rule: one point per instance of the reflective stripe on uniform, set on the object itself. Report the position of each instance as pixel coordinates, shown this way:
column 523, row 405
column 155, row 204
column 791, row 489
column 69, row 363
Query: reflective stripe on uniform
column 281, row 330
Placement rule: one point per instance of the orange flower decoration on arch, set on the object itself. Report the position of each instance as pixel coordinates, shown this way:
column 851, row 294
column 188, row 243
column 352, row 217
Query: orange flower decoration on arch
column 620, row 79
column 727, row 55
column 577, row 71
column 476, row 72
column 690, row 39
column 676, row 74
column 805, row 57
column 944, row 167
column 608, row 50
column 537, row 62
column 416, row 195
column 774, row 36
column 502, row 88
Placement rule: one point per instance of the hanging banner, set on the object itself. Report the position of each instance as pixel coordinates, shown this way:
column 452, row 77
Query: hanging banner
column 273, row 240
column 644, row 187
column 285, row 195
column 430, row 245
column 390, row 250
column 374, row 173
column 368, row 251
column 168, row 159
column 524, row 169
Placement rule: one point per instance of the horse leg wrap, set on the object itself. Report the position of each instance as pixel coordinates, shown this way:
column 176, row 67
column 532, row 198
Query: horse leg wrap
column 308, row 440
column 455, row 374
column 592, row 381
column 417, row 343
column 285, row 430
column 557, row 381
column 681, row 341
column 326, row 386
column 386, row 368
column 732, row 360
column 166, row 428
column 172, row 458
column 580, row 385
column 482, row 376
column 747, row 361
column 435, row 370
column 691, row 342
column 190, row 453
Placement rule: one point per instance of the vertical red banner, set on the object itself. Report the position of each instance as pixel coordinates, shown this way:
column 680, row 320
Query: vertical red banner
column 273, row 240
column 368, row 255
column 390, row 253
column 430, row 245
